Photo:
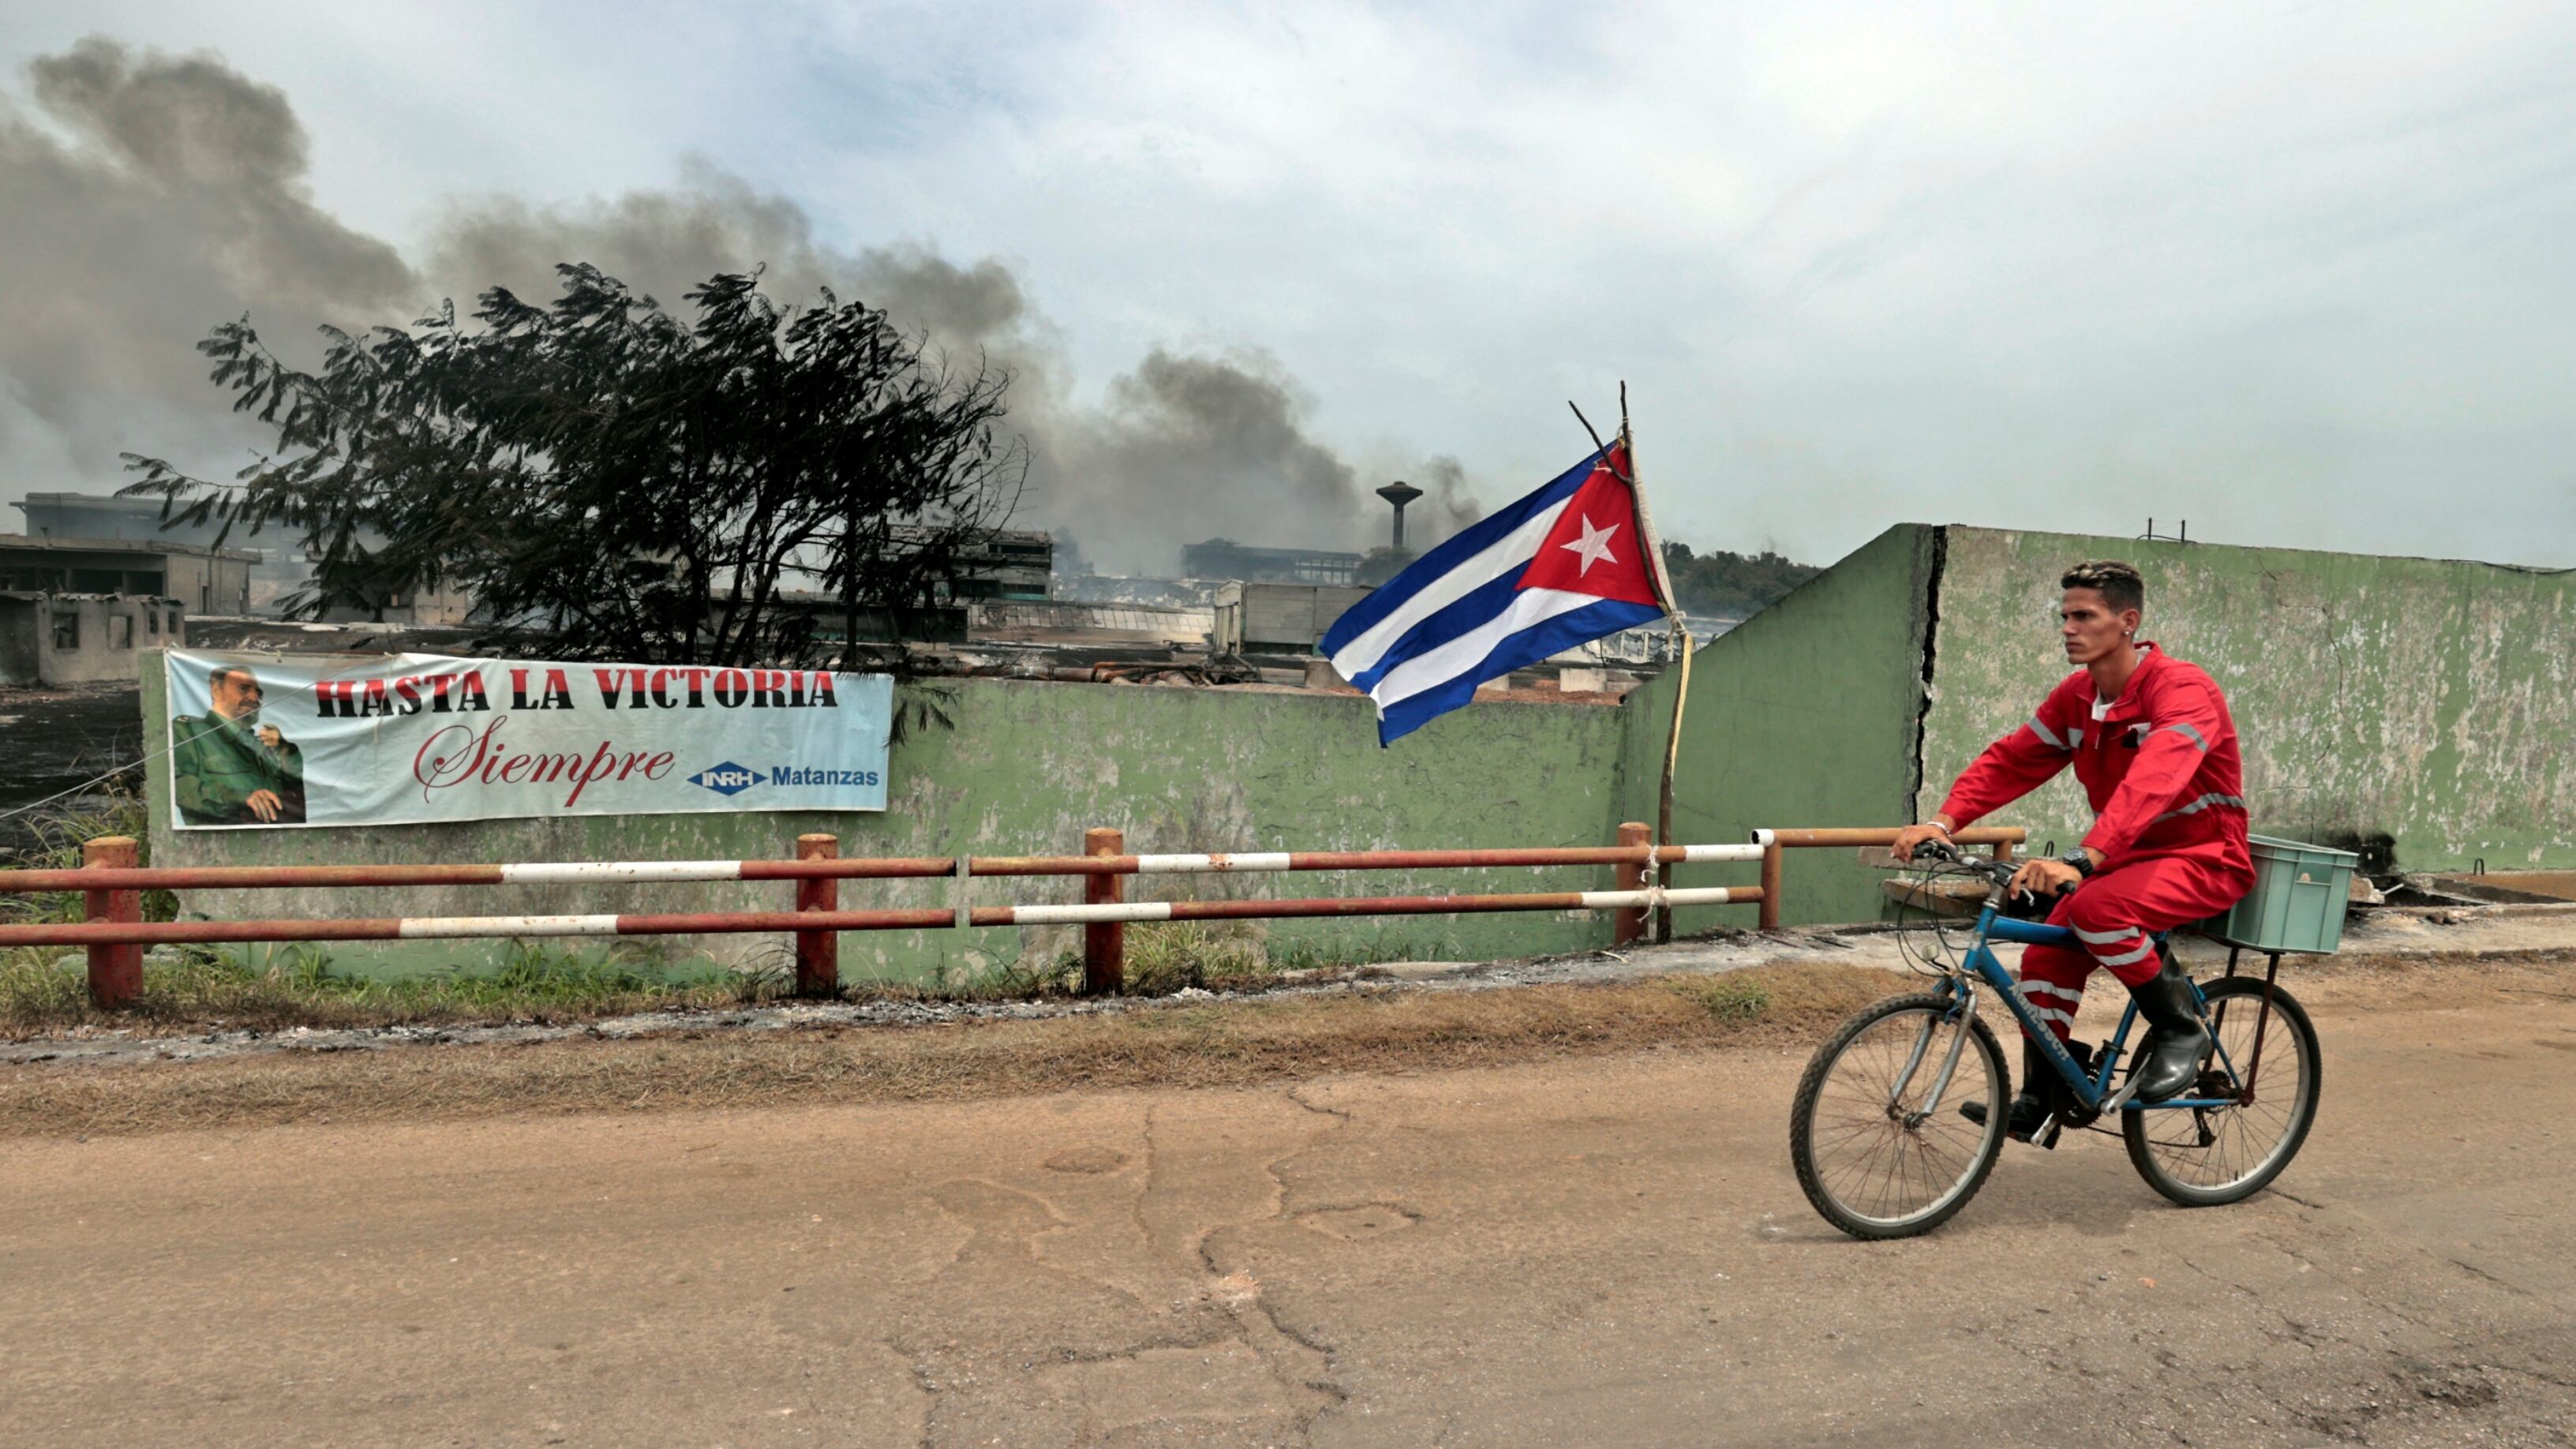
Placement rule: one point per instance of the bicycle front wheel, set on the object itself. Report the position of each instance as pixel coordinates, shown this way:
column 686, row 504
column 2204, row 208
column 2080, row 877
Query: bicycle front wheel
column 1875, row 1132
column 2206, row 1156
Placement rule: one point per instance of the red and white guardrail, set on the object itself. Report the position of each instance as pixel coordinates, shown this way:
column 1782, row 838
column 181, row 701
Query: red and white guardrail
column 1646, row 899
column 115, row 933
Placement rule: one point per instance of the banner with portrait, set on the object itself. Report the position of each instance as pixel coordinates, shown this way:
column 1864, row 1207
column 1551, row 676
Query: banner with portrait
column 382, row 739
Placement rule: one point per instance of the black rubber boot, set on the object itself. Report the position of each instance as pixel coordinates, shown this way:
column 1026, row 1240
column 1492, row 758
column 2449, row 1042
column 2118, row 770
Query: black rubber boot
column 2176, row 1043
column 2043, row 1091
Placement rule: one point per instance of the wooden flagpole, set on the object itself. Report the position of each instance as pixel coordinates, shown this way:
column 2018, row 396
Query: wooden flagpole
column 1654, row 546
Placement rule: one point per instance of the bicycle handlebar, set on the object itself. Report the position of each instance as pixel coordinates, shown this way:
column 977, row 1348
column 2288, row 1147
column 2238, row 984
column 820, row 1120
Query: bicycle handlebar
column 1999, row 873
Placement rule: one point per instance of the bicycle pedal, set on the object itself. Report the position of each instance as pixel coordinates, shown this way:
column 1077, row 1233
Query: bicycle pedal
column 2044, row 1138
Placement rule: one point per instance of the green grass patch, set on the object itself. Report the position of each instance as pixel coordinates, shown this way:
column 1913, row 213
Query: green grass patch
column 1733, row 996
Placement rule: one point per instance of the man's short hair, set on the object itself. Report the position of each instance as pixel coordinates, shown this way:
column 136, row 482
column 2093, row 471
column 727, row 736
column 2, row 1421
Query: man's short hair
column 223, row 672
column 2117, row 583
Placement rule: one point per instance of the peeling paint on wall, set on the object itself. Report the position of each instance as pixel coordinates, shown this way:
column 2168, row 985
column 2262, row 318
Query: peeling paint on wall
column 2417, row 708
column 2424, row 707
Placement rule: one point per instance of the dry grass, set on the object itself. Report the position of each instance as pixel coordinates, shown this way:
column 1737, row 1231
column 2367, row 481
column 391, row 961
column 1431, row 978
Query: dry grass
column 1168, row 956
column 276, row 988
column 1230, row 1045
column 57, row 835
column 1164, row 957
column 44, row 991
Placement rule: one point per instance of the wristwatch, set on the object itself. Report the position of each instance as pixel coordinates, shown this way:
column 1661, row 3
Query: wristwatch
column 2083, row 863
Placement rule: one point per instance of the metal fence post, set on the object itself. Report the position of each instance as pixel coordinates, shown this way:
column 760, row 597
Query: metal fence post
column 1628, row 923
column 1104, row 943
column 1770, row 907
column 818, row 953
column 115, row 972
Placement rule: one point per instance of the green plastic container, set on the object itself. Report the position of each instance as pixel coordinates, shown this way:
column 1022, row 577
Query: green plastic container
column 2298, row 899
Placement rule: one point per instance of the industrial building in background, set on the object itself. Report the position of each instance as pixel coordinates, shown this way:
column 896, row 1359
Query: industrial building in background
column 74, row 609
column 274, row 565
column 107, row 515
column 204, row 580
column 1007, row 563
column 1278, row 618
column 1223, row 558
column 49, row 639
column 1013, row 601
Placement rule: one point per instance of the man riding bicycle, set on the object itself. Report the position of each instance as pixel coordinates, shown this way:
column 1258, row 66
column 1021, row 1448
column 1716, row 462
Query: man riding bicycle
column 2151, row 740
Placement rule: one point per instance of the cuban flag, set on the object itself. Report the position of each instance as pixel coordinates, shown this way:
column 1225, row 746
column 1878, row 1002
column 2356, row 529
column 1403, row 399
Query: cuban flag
column 1563, row 566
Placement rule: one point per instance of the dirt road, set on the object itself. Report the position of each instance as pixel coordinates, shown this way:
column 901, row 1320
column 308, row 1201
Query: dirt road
column 1600, row 1250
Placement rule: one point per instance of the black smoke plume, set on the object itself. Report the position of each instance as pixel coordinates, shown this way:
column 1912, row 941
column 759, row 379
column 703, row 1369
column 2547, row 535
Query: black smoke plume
column 148, row 197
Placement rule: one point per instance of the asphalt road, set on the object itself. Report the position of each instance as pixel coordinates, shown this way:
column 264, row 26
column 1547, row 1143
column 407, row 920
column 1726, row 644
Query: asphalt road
column 1607, row 1250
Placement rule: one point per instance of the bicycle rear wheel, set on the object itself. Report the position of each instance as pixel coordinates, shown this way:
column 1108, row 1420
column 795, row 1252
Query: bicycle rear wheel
column 2207, row 1156
column 1878, row 1155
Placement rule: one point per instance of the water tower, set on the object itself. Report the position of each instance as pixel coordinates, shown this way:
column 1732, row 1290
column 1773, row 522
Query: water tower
column 1399, row 493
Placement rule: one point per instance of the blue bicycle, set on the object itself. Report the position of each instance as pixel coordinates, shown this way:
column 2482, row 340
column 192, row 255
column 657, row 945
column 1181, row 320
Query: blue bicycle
column 1884, row 1150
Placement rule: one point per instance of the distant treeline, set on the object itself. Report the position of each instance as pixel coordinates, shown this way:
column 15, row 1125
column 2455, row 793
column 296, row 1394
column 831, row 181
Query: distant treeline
column 1730, row 585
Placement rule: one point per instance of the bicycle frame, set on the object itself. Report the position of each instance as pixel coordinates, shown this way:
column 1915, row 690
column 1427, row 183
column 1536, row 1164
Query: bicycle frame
column 2094, row 1092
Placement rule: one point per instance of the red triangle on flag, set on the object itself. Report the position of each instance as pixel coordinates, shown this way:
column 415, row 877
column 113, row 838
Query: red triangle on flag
column 1596, row 547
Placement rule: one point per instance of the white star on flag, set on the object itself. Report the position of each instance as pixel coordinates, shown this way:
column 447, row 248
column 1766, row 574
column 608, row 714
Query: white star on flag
column 1594, row 545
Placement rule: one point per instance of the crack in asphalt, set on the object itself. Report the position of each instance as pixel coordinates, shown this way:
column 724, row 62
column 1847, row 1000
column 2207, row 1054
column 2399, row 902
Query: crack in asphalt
column 2474, row 1271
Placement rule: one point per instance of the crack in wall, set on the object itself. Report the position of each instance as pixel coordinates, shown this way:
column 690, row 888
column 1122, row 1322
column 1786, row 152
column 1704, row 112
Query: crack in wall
column 1931, row 650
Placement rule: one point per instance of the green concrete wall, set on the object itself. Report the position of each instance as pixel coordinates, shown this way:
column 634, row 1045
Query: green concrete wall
column 1025, row 769
column 2423, row 709
column 1802, row 716
column 2427, row 701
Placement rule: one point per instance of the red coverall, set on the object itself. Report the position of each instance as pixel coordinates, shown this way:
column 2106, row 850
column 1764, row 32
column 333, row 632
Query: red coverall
column 2166, row 783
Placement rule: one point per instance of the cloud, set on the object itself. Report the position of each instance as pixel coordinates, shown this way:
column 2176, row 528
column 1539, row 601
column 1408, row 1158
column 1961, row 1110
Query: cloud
column 2290, row 271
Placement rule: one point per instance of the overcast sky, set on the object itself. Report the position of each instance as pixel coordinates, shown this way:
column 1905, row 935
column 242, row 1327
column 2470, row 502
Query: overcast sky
column 2299, row 273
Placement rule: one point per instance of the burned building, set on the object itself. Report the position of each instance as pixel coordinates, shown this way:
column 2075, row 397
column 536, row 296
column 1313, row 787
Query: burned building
column 204, row 579
column 1278, row 618
column 107, row 515
column 277, row 563
column 1007, row 563
column 54, row 639
column 1223, row 558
